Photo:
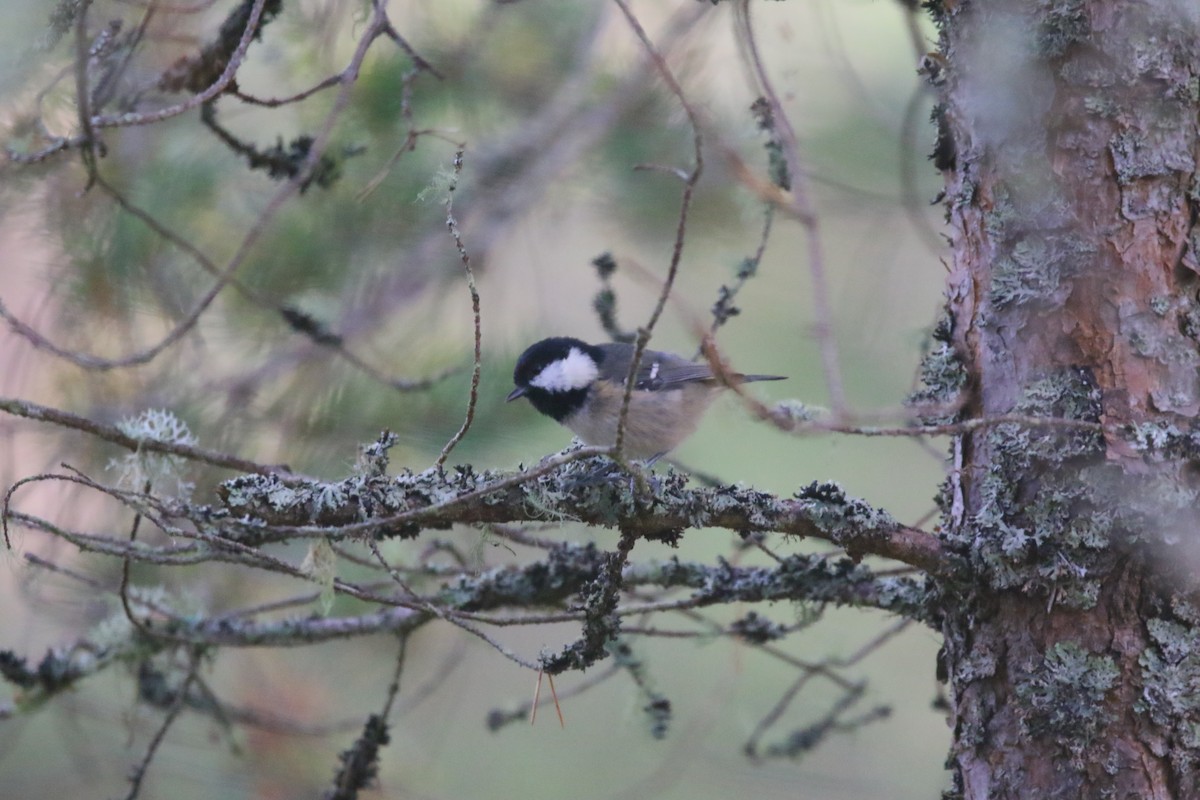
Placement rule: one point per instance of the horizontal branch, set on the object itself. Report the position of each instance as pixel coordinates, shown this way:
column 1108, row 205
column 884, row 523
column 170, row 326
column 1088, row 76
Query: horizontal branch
column 569, row 568
column 594, row 491
column 111, row 433
column 63, row 668
column 295, row 631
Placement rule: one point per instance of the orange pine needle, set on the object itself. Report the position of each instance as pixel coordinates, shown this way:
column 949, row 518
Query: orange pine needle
column 561, row 722
column 537, row 694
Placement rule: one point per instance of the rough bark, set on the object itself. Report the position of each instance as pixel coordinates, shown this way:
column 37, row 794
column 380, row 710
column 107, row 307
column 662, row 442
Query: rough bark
column 1069, row 144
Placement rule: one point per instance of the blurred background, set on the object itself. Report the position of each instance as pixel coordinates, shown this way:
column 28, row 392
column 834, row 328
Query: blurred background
column 555, row 105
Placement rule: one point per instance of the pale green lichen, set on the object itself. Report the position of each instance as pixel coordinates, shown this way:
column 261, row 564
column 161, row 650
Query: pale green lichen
column 1063, row 698
column 847, row 521
column 943, row 375
column 1036, row 267
column 1170, row 677
column 281, row 496
column 1063, row 23
column 1038, row 486
column 979, row 664
column 1160, row 440
column 794, row 412
column 165, row 473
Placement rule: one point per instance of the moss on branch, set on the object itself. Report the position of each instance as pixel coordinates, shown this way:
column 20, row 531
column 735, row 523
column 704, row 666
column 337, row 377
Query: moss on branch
column 264, row 508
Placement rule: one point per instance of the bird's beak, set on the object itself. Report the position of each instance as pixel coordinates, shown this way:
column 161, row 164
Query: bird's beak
column 514, row 394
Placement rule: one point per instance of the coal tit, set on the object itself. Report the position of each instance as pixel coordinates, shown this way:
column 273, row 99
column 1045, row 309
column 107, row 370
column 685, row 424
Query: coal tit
column 582, row 386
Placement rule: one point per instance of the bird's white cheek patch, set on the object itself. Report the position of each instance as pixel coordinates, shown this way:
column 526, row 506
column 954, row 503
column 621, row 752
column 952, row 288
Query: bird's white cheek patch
column 576, row 371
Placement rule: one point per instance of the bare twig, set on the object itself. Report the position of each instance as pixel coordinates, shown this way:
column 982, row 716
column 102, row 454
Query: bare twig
column 800, row 207
column 690, row 180
column 218, row 86
column 110, row 433
column 139, row 772
column 126, row 563
column 83, row 94
column 444, row 614
column 452, row 225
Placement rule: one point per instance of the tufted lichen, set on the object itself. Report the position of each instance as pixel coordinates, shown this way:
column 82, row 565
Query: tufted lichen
column 594, row 491
column 1063, row 24
column 1170, row 678
column 1038, row 485
column 1036, row 266
column 1062, row 698
column 943, row 375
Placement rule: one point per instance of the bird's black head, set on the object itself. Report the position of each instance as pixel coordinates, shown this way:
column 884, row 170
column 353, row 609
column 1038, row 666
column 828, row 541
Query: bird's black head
column 555, row 374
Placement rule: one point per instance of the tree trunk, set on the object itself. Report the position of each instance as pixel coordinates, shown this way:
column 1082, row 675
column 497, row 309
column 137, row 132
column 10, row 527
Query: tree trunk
column 1069, row 144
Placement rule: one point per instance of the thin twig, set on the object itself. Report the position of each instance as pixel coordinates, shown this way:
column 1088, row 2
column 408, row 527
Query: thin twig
column 803, row 210
column 477, row 368
column 845, row 425
column 444, row 614
column 125, row 568
column 83, row 96
column 871, row 646
column 139, row 772
column 172, row 8
column 690, row 181
column 218, row 86
column 394, row 686
column 110, row 433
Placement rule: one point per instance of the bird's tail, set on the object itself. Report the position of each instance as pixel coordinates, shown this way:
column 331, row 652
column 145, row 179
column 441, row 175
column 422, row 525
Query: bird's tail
column 753, row 378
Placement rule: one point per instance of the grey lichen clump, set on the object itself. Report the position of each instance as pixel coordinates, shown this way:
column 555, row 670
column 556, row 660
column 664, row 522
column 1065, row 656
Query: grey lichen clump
column 813, row 579
column 1064, row 23
column 1063, row 698
column 360, row 498
column 113, row 641
column 757, row 629
column 943, row 376
column 1035, row 236
column 1046, row 512
column 1161, row 440
column 594, row 491
column 1036, row 267
column 564, row 572
column 1038, row 247
column 1170, row 674
column 849, row 522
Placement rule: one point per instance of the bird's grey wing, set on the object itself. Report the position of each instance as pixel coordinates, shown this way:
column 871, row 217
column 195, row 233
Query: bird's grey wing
column 665, row 371
column 657, row 370
column 660, row 370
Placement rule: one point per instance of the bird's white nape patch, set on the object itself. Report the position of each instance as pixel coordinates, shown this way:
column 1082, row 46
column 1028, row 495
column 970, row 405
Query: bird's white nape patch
column 576, row 371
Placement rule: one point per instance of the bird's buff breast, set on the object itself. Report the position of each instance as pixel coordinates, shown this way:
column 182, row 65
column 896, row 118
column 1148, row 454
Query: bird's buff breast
column 657, row 421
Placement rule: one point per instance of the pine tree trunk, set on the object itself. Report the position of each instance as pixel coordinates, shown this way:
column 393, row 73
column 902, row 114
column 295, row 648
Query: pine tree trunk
column 1069, row 144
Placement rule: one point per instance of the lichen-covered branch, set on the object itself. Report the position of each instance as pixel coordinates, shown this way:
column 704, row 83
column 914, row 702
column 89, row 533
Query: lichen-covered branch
column 263, row 508
column 809, row 578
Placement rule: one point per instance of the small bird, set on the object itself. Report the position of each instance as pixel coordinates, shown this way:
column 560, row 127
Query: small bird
column 582, row 386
